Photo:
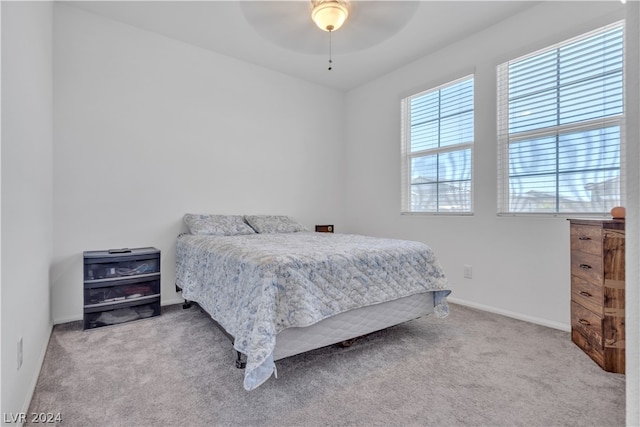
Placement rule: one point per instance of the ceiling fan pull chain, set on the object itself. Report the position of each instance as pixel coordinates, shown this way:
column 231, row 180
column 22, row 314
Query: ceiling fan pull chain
column 330, row 61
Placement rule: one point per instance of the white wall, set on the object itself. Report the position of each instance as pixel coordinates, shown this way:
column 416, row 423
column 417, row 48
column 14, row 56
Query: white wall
column 520, row 265
column 26, row 195
column 147, row 128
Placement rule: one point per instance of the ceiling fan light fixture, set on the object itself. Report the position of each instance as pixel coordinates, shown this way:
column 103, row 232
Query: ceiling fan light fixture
column 329, row 15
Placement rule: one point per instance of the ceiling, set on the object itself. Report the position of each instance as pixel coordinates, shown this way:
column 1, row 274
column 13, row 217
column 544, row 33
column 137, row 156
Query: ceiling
column 378, row 37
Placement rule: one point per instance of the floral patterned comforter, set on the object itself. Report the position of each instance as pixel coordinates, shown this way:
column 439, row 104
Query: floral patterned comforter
column 257, row 285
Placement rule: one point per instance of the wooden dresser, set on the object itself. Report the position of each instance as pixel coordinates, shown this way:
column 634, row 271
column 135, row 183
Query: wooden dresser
column 597, row 290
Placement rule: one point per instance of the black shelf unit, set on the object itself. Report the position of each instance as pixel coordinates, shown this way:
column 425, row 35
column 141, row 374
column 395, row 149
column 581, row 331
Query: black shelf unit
column 121, row 285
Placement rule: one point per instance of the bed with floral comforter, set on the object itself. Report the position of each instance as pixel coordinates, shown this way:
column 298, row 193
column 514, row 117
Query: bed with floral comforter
column 258, row 284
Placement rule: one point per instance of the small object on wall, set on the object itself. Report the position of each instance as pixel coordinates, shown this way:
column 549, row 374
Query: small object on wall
column 324, row 228
column 618, row 212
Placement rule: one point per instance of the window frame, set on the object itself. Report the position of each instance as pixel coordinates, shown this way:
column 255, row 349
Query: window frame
column 407, row 155
column 600, row 123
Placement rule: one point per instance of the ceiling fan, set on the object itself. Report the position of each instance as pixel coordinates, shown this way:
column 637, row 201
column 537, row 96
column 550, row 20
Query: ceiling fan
column 289, row 24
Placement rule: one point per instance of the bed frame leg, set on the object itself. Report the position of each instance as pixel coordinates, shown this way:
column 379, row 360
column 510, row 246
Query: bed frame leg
column 187, row 304
column 349, row 343
column 241, row 362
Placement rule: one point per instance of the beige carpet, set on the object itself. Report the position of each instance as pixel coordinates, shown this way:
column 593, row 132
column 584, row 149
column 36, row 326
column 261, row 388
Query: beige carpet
column 472, row 368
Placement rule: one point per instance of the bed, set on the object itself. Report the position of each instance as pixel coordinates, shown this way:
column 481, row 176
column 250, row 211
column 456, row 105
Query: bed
column 278, row 289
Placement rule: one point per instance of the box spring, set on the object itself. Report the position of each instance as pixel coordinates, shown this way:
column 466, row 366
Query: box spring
column 352, row 324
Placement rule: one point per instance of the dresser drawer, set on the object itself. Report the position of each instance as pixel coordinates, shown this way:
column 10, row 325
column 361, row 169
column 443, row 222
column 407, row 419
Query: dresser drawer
column 595, row 353
column 586, row 238
column 121, row 314
column 588, row 294
column 587, row 266
column 587, row 323
column 110, row 293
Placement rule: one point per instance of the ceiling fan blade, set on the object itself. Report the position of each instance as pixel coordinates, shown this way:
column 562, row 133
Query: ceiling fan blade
column 285, row 23
column 388, row 15
column 288, row 24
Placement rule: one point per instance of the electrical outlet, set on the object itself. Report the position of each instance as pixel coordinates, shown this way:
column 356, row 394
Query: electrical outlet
column 468, row 271
column 19, row 353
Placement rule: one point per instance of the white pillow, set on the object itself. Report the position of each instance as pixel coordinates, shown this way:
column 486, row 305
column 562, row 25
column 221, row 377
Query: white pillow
column 217, row 225
column 274, row 224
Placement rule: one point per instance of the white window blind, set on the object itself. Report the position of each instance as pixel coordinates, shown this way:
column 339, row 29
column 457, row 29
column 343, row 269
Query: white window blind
column 561, row 127
column 437, row 145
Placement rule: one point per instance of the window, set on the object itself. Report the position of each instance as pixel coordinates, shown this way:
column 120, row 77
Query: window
column 437, row 148
column 561, row 126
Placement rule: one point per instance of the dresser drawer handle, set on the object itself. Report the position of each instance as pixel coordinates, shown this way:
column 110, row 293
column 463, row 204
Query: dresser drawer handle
column 585, row 294
column 584, row 238
column 585, row 266
column 584, row 322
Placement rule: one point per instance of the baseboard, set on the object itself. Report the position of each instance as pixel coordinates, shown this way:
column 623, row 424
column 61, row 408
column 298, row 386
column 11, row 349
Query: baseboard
column 34, row 380
column 512, row 314
column 60, row 320
column 172, row 301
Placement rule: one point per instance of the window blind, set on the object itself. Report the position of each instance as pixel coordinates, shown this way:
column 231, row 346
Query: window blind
column 561, row 127
column 437, row 140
